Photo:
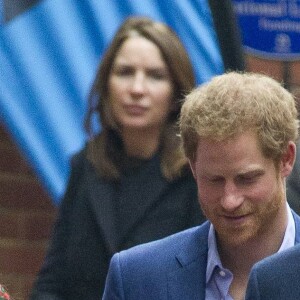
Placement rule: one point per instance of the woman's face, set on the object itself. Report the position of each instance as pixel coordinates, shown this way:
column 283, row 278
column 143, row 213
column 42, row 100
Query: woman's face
column 140, row 86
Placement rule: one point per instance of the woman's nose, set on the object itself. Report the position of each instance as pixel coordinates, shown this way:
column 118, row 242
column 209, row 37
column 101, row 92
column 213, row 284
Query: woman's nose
column 138, row 85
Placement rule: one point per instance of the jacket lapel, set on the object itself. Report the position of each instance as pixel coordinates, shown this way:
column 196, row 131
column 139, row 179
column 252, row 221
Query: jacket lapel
column 189, row 280
column 101, row 196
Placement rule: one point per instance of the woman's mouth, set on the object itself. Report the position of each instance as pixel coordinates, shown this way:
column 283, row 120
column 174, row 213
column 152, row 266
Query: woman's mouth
column 135, row 109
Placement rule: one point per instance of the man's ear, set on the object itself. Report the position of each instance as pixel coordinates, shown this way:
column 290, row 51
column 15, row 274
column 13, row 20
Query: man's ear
column 193, row 167
column 288, row 159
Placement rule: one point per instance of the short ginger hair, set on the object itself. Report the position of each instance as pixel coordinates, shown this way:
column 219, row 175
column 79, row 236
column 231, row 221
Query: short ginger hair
column 236, row 102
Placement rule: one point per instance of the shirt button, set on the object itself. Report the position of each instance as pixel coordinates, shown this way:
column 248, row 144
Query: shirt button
column 222, row 273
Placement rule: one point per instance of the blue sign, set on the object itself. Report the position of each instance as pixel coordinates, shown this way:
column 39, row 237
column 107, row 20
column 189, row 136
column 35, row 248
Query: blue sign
column 270, row 28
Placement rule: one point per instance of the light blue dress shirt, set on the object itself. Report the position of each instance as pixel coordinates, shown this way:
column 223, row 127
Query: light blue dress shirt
column 218, row 279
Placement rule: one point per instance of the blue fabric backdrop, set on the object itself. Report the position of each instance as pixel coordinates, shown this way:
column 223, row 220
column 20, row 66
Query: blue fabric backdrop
column 48, row 58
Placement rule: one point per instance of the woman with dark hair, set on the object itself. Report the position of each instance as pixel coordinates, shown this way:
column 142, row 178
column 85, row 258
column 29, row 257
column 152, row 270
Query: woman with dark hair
column 131, row 183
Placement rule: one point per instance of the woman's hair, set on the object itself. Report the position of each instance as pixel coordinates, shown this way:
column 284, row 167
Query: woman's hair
column 106, row 149
column 233, row 103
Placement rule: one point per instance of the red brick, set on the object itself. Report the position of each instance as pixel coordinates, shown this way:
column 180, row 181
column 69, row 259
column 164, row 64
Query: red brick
column 10, row 224
column 23, row 193
column 33, row 226
column 11, row 161
column 268, row 67
column 21, row 258
column 295, row 73
column 38, row 226
column 27, row 215
column 26, row 287
column 4, row 136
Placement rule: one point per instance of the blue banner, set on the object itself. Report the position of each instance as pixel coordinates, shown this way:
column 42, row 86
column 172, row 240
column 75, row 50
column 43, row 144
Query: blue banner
column 48, row 59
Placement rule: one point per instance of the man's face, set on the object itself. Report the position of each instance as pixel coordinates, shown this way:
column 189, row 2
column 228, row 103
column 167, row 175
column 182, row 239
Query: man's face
column 240, row 191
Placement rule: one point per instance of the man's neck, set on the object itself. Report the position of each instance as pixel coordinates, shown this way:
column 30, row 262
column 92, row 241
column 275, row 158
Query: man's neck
column 239, row 259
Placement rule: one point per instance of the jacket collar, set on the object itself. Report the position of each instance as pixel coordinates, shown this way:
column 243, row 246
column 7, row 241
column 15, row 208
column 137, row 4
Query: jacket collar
column 188, row 281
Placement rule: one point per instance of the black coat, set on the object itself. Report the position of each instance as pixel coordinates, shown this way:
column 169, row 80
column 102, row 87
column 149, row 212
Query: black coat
column 86, row 234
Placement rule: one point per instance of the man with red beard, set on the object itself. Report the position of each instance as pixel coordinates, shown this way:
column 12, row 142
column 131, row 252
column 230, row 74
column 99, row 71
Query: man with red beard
column 239, row 133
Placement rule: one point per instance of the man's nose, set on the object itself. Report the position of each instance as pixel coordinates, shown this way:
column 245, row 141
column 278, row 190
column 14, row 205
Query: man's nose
column 232, row 197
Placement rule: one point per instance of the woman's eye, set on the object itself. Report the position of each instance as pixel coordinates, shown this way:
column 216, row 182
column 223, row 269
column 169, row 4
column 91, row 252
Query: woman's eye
column 123, row 72
column 157, row 75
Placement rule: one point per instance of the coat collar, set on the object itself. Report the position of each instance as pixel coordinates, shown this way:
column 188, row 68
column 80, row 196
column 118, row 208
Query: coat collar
column 101, row 199
column 102, row 196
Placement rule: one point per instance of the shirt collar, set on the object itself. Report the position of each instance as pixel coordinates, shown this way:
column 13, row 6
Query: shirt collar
column 290, row 232
column 213, row 258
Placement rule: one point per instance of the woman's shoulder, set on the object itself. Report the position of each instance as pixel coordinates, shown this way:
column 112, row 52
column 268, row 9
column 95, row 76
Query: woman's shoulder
column 80, row 158
column 80, row 165
column 80, row 155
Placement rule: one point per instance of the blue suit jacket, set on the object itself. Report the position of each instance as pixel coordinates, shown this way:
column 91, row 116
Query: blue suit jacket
column 277, row 277
column 170, row 268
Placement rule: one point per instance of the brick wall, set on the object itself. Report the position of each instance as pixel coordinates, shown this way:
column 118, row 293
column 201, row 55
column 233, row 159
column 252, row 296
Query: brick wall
column 26, row 215
column 287, row 72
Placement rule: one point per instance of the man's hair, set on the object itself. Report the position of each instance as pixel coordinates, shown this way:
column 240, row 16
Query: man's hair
column 233, row 103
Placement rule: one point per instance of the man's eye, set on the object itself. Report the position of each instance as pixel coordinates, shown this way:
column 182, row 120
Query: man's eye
column 247, row 180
